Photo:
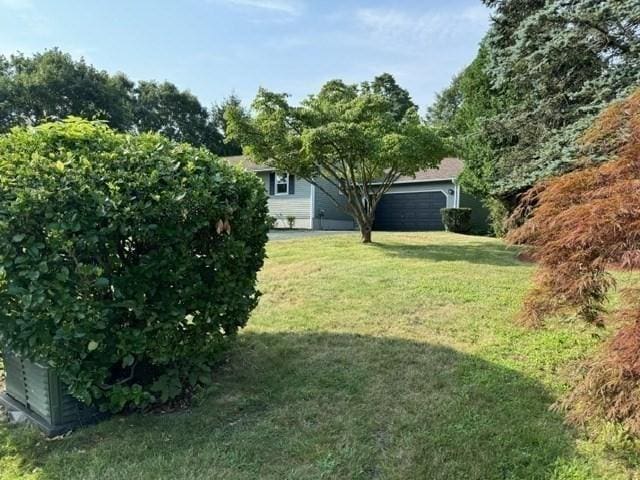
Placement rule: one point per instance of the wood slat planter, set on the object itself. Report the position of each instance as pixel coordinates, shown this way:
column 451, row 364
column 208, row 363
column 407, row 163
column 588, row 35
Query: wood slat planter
column 37, row 391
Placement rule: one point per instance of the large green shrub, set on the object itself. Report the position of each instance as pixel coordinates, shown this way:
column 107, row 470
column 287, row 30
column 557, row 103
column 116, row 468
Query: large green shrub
column 128, row 261
column 457, row 220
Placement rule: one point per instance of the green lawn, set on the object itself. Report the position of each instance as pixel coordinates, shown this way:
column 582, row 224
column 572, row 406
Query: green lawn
column 398, row 360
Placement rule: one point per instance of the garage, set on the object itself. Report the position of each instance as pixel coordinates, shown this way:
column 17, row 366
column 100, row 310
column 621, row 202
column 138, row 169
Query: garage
column 412, row 211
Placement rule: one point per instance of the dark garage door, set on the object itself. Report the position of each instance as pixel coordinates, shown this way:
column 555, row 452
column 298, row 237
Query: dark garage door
column 410, row 211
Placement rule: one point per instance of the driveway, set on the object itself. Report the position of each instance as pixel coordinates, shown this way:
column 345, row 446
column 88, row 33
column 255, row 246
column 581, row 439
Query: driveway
column 293, row 234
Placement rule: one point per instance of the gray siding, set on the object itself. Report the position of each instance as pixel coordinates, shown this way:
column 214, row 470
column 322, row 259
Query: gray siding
column 442, row 187
column 333, row 218
column 479, row 213
column 297, row 205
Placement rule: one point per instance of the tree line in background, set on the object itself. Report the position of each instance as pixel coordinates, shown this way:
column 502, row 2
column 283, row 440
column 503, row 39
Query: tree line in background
column 52, row 85
column 543, row 73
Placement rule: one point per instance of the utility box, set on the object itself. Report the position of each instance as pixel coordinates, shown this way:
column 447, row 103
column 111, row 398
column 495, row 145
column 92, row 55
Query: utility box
column 36, row 390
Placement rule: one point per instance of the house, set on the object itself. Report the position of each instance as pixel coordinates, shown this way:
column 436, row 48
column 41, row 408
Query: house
column 412, row 203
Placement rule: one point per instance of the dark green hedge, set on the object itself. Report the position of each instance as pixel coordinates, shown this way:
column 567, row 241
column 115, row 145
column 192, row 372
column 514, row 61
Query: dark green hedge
column 457, row 220
column 128, row 261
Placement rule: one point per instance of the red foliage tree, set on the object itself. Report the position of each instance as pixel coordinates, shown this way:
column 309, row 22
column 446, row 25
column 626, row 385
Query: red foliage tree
column 577, row 226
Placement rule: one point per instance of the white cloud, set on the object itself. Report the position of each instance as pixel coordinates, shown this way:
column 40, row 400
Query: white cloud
column 290, row 7
column 403, row 27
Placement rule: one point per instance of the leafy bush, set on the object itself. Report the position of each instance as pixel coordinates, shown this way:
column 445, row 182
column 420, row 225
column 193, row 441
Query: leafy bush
column 291, row 221
column 457, row 220
column 272, row 221
column 128, row 261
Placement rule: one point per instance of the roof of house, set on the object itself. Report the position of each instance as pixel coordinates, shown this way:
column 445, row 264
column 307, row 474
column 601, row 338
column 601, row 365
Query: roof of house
column 449, row 168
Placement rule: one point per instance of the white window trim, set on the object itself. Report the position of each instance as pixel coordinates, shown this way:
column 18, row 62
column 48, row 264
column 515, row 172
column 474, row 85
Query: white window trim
column 276, row 193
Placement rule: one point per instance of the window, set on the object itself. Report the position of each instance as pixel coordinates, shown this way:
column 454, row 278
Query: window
column 282, row 183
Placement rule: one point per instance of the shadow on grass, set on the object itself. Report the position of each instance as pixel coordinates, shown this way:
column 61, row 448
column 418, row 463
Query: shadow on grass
column 309, row 406
column 471, row 252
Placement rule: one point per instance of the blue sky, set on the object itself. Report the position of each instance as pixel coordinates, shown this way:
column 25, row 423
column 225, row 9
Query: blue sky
column 216, row 47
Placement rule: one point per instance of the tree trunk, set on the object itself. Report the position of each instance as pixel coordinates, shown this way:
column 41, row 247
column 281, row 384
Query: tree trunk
column 365, row 231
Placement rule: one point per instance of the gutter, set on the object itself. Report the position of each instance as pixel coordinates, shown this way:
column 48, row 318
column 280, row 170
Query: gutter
column 430, row 180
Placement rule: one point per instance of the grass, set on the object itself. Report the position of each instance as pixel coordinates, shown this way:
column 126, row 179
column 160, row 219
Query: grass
column 398, row 360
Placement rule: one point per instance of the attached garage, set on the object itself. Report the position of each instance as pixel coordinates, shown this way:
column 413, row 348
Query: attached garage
column 413, row 203
column 410, row 211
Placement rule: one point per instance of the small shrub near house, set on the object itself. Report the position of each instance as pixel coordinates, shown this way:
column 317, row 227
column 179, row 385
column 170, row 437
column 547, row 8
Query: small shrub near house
column 128, row 261
column 457, row 220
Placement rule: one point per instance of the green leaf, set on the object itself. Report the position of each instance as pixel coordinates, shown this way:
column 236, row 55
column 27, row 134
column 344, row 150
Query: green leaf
column 127, row 360
column 92, row 345
column 18, row 237
column 102, row 282
column 63, row 274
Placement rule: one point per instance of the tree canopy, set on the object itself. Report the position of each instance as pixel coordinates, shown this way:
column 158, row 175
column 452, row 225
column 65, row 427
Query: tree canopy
column 543, row 72
column 350, row 137
column 461, row 111
column 178, row 115
column 52, row 85
column 387, row 86
column 230, row 146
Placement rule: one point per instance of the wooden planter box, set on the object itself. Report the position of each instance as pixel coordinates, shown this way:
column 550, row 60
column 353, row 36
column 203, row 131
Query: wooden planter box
column 37, row 391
